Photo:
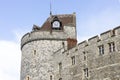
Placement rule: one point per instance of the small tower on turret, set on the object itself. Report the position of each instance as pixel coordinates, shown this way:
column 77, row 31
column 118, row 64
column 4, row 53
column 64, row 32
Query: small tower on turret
column 39, row 45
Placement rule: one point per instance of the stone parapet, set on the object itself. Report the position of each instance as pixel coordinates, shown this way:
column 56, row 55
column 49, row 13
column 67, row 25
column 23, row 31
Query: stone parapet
column 49, row 35
column 42, row 35
column 83, row 44
column 93, row 40
column 106, row 35
column 103, row 36
column 117, row 30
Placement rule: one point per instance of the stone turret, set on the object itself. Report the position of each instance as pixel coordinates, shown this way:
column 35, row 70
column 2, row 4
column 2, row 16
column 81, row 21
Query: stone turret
column 38, row 46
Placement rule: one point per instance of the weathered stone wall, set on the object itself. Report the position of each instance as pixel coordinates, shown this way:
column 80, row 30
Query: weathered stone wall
column 45, row 54
column 67, row 32
column 100, row 67
column 36, row 59
column 38, row 48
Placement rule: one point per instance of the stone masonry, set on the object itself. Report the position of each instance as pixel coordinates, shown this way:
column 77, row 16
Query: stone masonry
column 39, row 45
column 50, row 53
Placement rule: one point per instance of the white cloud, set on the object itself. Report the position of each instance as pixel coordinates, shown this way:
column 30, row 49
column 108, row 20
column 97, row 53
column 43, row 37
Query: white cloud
column 9, row 60
column 10, row 56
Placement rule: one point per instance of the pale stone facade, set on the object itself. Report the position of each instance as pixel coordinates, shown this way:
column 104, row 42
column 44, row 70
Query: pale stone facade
column 50, row 54
column 89, row 63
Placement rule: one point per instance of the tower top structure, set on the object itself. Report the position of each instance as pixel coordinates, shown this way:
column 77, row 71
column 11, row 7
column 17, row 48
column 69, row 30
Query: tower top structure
column 48, row 31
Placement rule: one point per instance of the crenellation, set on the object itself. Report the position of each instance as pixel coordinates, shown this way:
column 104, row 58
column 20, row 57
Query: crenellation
column 83, row 44
column 46, row 56
column 106, row 35
column 42, row 35
column 94, row 39
column 117, row 30
column 37, row 35
column 96, row 63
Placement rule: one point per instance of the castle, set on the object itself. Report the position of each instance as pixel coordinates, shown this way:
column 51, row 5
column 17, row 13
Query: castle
column 51, row 52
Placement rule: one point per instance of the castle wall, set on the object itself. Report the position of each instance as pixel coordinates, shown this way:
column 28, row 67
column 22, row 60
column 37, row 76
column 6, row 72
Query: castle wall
column 100, row 66
column 46, row 56
column 38, row 48
column 36, row 60
column 67, row 32
column 43, row 35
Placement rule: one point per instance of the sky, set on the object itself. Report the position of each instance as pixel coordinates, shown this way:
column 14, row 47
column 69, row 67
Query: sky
column 18, row 16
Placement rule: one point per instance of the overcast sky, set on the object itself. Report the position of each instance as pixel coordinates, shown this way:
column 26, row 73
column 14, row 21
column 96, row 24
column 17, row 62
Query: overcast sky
column 18, row 16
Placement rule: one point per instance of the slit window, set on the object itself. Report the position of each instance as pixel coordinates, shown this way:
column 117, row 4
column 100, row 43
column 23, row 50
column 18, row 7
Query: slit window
column 50, row 77
column 101, row 49
column 60, row 67
column 86, row 72
column 34, row 52
column 84, row 55
column 28, row 78
column 73, row 60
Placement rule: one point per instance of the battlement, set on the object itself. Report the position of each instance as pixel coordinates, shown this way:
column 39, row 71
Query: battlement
column 48, row 35
column 117, row 30
column 93, row 39
column 42, row 35
column 103, row 36
column 107, row 34
column 83, row 44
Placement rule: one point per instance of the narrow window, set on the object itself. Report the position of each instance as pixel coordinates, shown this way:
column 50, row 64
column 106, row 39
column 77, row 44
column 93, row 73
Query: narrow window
column 50, row 77
column 76, row 49
column 60, row 67
column 84, row 55
column 86, row 72
column 63, row 44
column 34, row 52
column 73, row 60
column 111, row 47
column 28, row 78
column 101, row 49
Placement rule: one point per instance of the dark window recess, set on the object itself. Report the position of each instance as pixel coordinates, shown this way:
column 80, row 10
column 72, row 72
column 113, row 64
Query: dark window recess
column 57, row 28
column 111, row 47
column 84, row 55
column 86, row 72
column 60, row 78
column 101, row 49
column 60, row 67
column 28, row 78
column 50, row 77
column 34, row 52
column 63, row 44
column 73, row 60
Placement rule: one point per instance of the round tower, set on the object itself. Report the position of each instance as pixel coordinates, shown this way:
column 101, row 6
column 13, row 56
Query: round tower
column 38, row 46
